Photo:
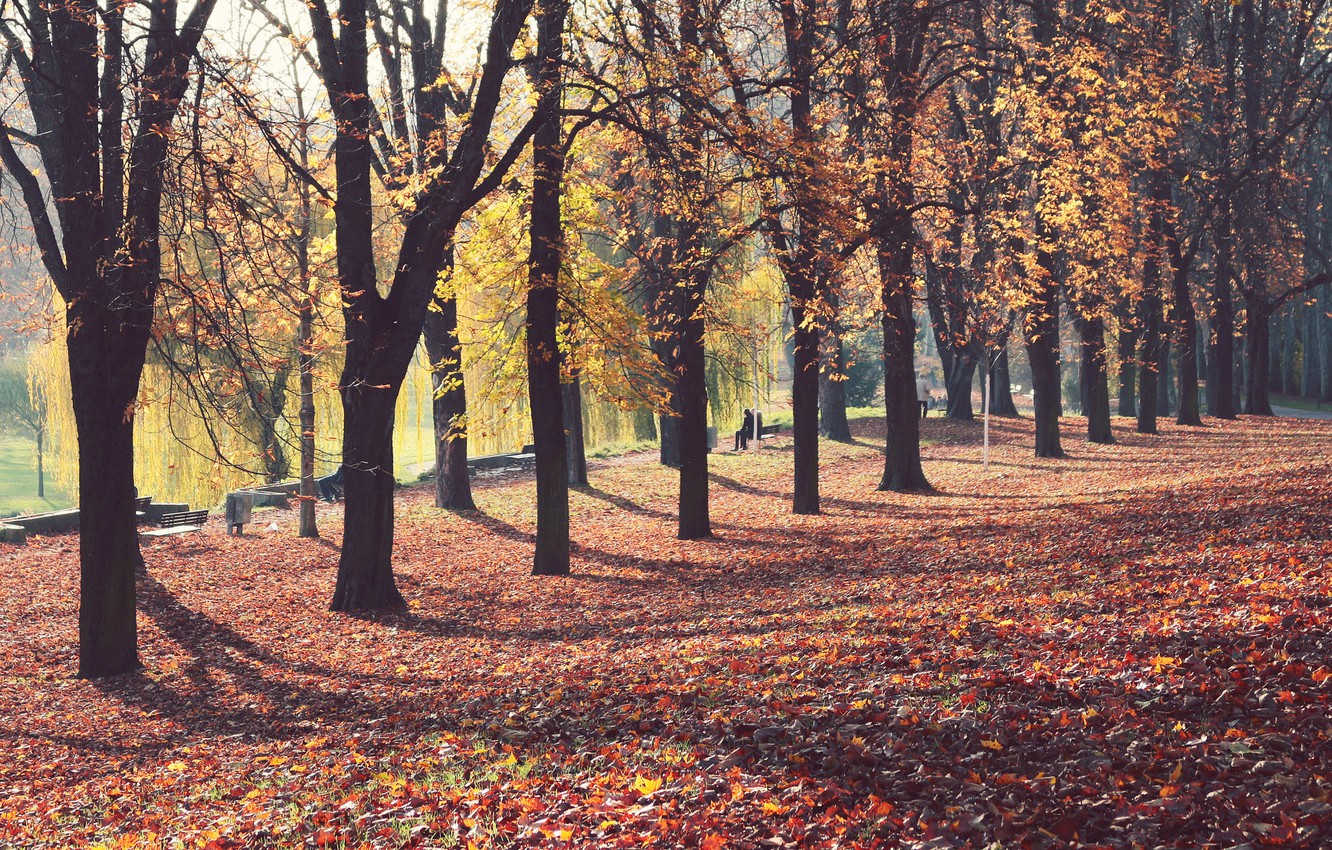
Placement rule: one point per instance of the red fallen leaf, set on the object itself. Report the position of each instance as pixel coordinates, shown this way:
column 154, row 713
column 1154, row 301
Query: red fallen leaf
column 475, row 706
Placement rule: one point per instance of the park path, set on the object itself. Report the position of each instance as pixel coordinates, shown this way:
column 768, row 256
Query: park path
column 1301, row 414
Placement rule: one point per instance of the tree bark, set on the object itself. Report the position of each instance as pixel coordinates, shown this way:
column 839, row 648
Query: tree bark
column 1258, row 323
column 103, row 392
column 805, row 405
column 1325, row 322
column 1094, row 381
column 365, row 573
column 573, row 429
column 833, row 424
column 959, row 383
column 1001, row 386
column 668, row 425
column 693, row 421
column 305, row 366
column 1128, row 369
column 1221, row 377
column 1186, row 343
column 1150, row 374
column 543, row 300
column 1310, row 375
column 902, row 469
column 453, row 487
column 1163, row 382
column 1041, row 329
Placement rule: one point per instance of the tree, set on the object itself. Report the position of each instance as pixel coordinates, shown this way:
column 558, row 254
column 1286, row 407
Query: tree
column 102, row 102
column 245, row 311
column 543, row 297
column 895, row 63
column 445, row 172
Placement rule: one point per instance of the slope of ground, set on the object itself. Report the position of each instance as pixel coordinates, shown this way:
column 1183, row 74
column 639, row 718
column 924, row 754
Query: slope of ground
column 1130, row 647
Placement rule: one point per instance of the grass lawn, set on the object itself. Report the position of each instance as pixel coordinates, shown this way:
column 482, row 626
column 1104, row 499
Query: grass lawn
column 18, row 480
column 1127, row 647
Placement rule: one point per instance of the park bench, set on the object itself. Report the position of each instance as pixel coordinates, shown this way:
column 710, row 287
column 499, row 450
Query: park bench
column 769, row 430
column 520, row 460
column 181, row 522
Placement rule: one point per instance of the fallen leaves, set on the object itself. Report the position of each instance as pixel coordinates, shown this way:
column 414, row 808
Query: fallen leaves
column 1134, row 652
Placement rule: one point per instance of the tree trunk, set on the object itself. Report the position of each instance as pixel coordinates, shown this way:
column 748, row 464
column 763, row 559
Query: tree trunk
column 547, row 407
column 1186, row 343
column 1326, row 324
column 365, row 569
column 1221, row 377
column 1128, row 370
column 305, row 366
column 804, row 393
column 41, row 471
column 453, row 488
column 959, row 382
column 1150, row 374
column 1310, row 375
column 1258, row 323
column 1094, row 381
column 833, row 423
column 1001, row 387
column 573, row 429
column 668, row 424
column 1042, row 338
column 902, row 469
column 543, row 300
column 269, row 413
column 103, row 390
column 1163, row 382
column 693, row 422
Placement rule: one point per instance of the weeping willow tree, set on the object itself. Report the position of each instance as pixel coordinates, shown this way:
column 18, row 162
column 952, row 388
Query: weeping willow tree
column 180, row 455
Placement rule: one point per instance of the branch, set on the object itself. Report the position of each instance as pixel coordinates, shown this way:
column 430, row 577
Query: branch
column 47, row 242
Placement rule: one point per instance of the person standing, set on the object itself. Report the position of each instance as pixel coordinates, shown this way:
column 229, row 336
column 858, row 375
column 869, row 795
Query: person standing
column 923, row 394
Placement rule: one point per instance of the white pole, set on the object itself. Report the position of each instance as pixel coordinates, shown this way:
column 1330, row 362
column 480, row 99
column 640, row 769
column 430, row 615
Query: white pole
column 756, row 389
column 989, row 381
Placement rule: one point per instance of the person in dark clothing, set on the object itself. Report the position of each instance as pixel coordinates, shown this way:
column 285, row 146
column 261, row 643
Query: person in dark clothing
column 330, row 486
column 746, row 431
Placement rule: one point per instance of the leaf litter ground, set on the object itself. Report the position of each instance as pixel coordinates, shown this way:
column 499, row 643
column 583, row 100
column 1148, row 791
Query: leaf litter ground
column 1130, row 647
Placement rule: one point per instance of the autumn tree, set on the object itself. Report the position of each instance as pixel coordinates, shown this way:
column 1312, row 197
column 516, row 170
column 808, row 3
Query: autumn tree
column 244, row 316
column 546, row 396
column 100, row 104
column 440, row 163
column 664, row 83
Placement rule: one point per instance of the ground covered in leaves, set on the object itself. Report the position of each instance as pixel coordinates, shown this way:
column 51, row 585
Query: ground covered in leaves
column 1130, row 647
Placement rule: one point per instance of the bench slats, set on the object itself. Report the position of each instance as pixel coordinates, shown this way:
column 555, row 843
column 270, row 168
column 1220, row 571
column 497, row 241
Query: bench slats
column 181, row 522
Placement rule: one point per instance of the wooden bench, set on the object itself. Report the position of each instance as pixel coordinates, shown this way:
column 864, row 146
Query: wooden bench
column 181, row 522
column 769, row 430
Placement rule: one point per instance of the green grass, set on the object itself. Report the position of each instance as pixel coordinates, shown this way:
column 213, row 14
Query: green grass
column 1298, row 403
column 18, row 480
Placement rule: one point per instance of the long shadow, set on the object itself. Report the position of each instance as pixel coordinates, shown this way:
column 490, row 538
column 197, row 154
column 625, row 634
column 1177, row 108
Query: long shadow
column 497, row 527
column 622, row 503
column 747, row 489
